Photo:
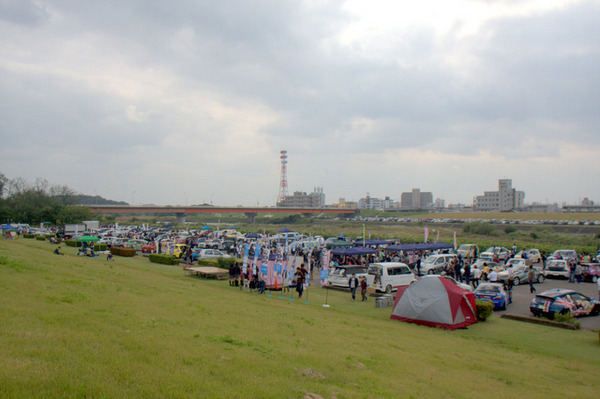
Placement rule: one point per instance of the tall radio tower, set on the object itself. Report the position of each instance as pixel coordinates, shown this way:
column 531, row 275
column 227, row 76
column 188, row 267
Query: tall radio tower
column 283, row 186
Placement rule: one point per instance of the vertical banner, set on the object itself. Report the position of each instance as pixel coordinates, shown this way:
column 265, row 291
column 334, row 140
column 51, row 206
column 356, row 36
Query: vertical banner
column 255, row 263
column 426, row 234
column 455, row 246
column 245, row 261
column 437, row 237
column 277, row 273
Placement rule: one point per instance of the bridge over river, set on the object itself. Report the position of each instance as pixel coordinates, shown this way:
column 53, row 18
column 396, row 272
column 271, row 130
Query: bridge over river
column 181, row 211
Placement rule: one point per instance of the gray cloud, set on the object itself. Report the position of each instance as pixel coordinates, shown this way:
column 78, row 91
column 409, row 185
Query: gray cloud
column 153, row 87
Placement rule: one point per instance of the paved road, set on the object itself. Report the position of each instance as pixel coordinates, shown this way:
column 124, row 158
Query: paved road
column 522, row 298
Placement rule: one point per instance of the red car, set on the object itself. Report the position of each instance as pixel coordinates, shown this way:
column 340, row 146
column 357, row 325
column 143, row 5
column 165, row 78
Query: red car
column 149, row 249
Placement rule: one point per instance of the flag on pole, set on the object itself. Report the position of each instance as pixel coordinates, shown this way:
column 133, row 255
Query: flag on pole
column 455, row 246
column 426, row 234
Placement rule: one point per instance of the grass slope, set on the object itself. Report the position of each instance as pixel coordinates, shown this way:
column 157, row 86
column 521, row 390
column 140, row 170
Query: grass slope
column 84, row 327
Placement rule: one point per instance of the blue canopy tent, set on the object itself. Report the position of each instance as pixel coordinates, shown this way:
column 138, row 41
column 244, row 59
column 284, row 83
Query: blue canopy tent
column 352, row 251
column 252, row 235
column 359, row 243
column 285, row 231
column 419, row 247
column 338, row 244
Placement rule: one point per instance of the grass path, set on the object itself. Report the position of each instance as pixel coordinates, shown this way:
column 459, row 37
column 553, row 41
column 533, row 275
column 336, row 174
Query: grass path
column 83, row 327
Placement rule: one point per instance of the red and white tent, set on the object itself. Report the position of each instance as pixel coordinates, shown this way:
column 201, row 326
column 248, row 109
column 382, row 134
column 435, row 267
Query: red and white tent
column 435, row 302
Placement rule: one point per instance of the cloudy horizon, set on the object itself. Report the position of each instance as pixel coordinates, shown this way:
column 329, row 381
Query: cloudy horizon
column 191, row 102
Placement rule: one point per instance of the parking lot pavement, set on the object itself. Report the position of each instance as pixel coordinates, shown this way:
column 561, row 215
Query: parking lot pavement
column 522, row 298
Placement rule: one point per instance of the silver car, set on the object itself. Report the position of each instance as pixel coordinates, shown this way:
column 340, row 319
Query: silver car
column 521, row 275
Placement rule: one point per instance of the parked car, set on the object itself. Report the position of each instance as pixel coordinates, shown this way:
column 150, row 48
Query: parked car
column 388, row 276
column 515, row 262
column 563, row 301
column 521, row 275
column 494, row 293
column 340, row 276
column 499, row 253
column 591, row 272
column 149, row 248
column 563, row 254
column 436, row 264
column 211, row 254
column 136, row 244
column 531, row 256
column 468, row 251
column 213, row 244
column 557, row 268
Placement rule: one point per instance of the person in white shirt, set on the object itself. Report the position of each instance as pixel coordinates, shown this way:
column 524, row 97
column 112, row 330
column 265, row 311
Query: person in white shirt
column 493, row 276
column 476, row 276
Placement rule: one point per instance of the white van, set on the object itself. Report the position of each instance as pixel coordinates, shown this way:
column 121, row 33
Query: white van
column 388, row 276
column 340, row 276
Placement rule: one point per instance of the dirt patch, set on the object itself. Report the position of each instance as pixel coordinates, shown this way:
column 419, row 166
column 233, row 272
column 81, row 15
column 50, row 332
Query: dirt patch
column 312, row 374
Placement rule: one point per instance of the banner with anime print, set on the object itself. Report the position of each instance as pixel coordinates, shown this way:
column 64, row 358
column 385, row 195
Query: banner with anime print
column 245, row 261
column 325, row 259
column 255, row 262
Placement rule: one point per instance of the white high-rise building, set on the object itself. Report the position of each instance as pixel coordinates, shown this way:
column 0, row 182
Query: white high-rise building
column 505, row 199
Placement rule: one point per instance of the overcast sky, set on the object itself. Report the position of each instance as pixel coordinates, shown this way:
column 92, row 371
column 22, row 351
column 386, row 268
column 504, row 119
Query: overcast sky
column 191, row 101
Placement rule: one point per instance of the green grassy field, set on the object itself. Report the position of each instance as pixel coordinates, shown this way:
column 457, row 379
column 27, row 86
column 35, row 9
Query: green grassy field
column 84, row 327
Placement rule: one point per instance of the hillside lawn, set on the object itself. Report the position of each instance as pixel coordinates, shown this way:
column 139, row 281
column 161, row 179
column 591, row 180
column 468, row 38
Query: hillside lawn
column 84, row 327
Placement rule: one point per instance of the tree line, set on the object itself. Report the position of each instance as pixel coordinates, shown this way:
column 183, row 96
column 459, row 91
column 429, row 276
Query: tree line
column 39, row 202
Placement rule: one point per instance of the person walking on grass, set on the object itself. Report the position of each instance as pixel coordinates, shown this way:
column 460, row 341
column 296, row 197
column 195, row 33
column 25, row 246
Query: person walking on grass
column 353, row 283
column 363, row 288
column 299, row 277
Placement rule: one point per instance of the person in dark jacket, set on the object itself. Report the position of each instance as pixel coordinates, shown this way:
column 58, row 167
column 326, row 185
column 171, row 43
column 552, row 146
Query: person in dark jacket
column 353, row 283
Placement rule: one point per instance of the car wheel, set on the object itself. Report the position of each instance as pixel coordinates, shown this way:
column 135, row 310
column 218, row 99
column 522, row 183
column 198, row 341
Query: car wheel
column 516, row 281
column 388, row 289
column 594, row 279
column 540, row 278
column 430, row 271
column 503, row 307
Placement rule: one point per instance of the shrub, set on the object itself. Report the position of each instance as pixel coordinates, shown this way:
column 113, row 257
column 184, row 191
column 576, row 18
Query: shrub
column 484, row 229
column 121, row 251
column 484, row 309
column 26, row 235
column 164, row 259
column 208, row 262
column 72, row 243
column 50, row 235
column 224, row 263
column 510, row 229
column 564, row 318
column 100, row 247
column 40, row 238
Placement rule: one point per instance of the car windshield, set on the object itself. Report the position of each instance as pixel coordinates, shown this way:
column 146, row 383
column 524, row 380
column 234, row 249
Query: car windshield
column 487, row 288
column 556, row 263
column 375, row 270
column 464, row 247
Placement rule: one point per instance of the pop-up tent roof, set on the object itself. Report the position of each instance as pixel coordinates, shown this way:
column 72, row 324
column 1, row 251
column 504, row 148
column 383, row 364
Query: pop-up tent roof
column 358, row 243
column 436, row 302
column 424, row 246
column 351, row 251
